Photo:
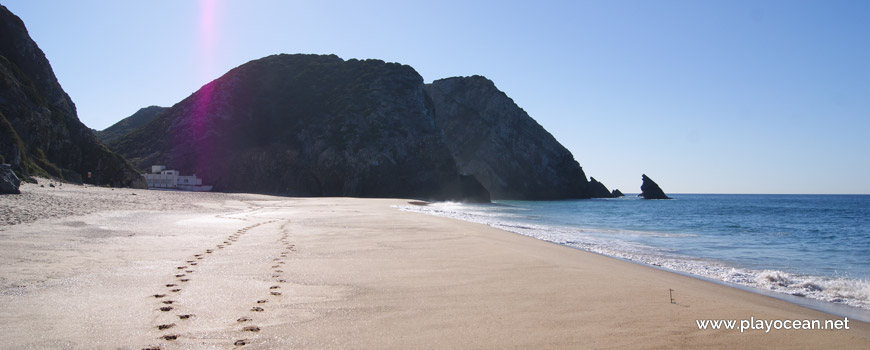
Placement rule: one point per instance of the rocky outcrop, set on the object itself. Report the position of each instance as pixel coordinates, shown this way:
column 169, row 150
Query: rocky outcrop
column 308, row 125
column 9, row 182
column 497, row 142
column 40, row 133
column 649, row 189
column 616, row 193
column 597, row 189
column 126, row 125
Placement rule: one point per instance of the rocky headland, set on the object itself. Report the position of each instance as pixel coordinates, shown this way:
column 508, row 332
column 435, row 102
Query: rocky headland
column 40, row 133
column 497, row 142
column 308, row 125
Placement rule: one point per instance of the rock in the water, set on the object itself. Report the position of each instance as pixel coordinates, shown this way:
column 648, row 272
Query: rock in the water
column 616, row 193
column 9, row 182
column 650, row 190
column 497, row 142
column 308, row 125
column 40, row 133
column 597, row 189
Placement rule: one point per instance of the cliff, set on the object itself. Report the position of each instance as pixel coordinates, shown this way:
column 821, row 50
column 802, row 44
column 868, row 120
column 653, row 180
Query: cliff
column 308, row 125
column 40, row 133
column 126, row 125
column 497, row 142
column 649, row 189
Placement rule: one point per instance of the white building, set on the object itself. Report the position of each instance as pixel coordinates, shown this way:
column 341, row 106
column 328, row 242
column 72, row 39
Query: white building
column 162, row 178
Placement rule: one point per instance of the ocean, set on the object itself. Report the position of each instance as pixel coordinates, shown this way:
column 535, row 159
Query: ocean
column 813, row 247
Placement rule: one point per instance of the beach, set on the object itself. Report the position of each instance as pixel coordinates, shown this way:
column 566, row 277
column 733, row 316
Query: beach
column 100, row 268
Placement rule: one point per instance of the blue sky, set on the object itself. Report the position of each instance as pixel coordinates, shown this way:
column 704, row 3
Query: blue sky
column 702, row 96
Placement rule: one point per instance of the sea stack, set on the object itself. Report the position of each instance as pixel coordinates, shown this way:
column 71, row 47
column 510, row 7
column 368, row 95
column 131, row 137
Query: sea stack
column 617, row 193
column 651, row 190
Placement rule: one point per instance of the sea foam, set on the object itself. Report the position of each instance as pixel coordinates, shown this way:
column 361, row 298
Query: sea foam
column 838, row 290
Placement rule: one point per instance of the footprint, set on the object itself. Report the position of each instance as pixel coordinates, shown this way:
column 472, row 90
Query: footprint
column 166, row 308
column 276, row 293
column 261, row 301
column 185, row 316
column 182, row 267
column 251, row 329
column 193, row 263
column 279, row 271
column 276, row 276
column 176, row 290
column 188, row 271
column 241, row 342
column 170, row 337
column 159, row 295
column 276, row 266
column 199, row 258
column 165, row 326
column 170, row 285
column 244, row 319
column 282, row 281
column 208, row 251
column 257, row 309
column 152, row 348
column 180, row 275
column 274, row 287
column 189, row 261
column 168, row 302
column 184, row 279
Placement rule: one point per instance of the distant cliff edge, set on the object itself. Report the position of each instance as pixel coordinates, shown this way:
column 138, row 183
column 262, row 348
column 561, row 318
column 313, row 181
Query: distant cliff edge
column 497, row 142
column 126, row 125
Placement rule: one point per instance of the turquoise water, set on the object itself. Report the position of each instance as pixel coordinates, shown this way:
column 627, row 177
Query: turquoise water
column 810, row 246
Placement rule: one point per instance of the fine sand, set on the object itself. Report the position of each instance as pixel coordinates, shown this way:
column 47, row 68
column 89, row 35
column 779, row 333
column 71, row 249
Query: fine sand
column 96, row 268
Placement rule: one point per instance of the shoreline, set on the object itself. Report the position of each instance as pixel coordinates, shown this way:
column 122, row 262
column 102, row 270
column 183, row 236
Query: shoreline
column 833, row 309
column 836, row 295
column 344, row 273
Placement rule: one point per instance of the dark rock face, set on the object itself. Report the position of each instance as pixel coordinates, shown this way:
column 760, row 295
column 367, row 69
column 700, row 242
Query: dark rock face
column 497, row 142
column 616, row 193
column 40, row 133
column 651, row 190
column 307, row 125
column 126, row 125
column 9, row 182
column 597, row 189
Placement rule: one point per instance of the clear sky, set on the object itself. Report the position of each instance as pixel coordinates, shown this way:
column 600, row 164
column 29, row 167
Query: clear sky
column 702, row 96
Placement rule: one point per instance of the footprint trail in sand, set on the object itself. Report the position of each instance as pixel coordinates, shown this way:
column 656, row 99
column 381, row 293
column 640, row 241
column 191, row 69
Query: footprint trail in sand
column 210, row 287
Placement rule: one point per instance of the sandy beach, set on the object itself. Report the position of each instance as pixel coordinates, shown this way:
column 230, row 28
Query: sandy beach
column 100, row 268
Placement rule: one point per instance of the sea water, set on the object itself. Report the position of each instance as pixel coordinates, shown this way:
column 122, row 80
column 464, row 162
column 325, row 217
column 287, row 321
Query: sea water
column 809, row 246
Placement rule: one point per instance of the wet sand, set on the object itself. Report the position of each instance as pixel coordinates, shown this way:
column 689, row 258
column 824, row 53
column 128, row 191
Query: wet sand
column 84, row 267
